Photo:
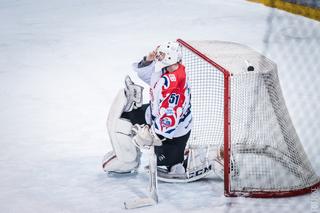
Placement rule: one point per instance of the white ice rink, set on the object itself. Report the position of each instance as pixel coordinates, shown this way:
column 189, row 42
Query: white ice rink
column 62, row 62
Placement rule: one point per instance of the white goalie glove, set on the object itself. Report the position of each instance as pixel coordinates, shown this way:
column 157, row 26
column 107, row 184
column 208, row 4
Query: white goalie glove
column 134, row 94
column 144, row 137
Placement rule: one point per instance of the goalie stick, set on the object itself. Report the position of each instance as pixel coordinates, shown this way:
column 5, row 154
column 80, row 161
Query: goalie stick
column 152, row 199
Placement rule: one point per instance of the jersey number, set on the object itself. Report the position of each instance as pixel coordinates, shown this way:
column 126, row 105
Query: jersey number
column 174, row 98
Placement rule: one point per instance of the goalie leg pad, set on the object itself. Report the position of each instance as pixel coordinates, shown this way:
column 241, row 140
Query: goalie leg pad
column 200, row 163
column 218, row 165
column 200, row 157
column 119, row 130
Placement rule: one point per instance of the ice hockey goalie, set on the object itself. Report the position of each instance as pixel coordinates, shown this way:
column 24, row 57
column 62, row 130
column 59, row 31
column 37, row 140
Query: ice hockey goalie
column 165, row 122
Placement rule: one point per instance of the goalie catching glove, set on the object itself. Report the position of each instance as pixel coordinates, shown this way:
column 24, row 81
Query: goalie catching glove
column 144, row 137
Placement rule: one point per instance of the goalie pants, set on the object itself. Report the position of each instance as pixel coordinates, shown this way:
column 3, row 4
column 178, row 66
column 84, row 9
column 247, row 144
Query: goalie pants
column 172, row 150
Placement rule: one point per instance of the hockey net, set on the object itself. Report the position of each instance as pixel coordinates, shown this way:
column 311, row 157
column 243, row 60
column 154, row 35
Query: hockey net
column 244, row 113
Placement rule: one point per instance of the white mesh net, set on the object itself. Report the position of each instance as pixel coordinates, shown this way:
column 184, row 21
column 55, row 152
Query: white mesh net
column 266, row 155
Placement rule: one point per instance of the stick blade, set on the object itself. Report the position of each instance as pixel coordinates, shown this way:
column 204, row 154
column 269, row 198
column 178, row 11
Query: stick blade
column 138, row 203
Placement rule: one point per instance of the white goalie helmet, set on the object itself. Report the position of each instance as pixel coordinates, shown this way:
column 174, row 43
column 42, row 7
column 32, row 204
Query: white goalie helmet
column 168, row 54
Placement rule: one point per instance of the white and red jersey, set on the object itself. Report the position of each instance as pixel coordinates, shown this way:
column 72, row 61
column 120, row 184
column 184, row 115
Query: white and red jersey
column 169, row 100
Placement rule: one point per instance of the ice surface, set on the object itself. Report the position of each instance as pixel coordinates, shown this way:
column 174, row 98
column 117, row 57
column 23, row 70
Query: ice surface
column 61, row 63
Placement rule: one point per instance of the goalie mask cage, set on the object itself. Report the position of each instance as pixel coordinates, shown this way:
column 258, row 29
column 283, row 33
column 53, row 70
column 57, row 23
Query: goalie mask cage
column 244, row 113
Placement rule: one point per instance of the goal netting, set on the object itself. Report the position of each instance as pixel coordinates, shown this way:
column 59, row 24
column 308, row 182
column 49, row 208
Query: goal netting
column 244, row 113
